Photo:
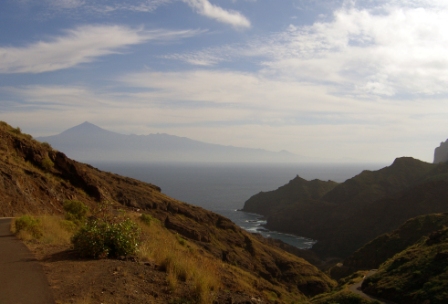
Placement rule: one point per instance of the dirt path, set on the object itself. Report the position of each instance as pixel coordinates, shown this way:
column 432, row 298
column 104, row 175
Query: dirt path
column 356, row 288
column 22, row 280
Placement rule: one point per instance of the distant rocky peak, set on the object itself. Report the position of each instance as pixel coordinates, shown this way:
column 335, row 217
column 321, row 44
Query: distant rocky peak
column 441, row 153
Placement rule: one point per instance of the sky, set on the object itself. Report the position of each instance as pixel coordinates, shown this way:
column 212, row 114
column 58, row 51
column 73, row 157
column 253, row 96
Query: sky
column 352, row 81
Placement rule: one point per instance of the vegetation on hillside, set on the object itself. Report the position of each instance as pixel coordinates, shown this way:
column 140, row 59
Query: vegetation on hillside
column 178, row 234
column 178, row 258
column 419, row 274
column 384, row 247
column 204, row 257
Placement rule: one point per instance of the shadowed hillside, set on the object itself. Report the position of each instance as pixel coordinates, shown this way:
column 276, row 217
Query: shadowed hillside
column 385, row 246
column 360, row 209
column 36, row 179
column 296, row 190
column 418, row 274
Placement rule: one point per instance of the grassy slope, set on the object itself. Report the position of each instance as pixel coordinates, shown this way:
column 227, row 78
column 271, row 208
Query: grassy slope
column 36, row 179
column 373, row 254
column 385, row 246
column 418, row 274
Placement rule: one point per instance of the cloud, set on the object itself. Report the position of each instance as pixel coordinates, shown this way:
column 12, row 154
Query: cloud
column 391, row 49
column 397, row 51
column 241, row 109
column 205, row 8
column 80, row 45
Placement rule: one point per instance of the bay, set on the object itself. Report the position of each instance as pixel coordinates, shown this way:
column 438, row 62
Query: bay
column 223, row 188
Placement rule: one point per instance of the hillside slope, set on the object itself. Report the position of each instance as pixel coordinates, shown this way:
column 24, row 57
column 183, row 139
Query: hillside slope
column 296, row 191
column 363, row 207
column 419, row 274
column 36, row 179
column 385, row 246
column 384, row 215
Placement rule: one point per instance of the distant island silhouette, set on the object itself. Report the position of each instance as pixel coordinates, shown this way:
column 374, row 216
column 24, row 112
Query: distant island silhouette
column 90, row 143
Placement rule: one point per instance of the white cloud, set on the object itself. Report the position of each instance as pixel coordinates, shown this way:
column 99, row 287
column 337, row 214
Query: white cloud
column 205, row 8
column 385, row 50
column 240, row 109
column 401, row 50
column 80, row 45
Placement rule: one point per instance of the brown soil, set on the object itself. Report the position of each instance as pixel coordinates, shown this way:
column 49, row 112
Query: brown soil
column 76, row 280
column 22, row 280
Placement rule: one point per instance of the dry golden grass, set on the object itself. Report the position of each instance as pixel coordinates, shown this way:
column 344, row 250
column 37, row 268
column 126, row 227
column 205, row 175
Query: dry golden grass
column 184, row 262
column 57, row 231
column 54, row 230
column 181, row 261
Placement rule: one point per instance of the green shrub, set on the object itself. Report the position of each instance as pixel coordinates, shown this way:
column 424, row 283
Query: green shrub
column 76, row 211
column 146, row 219
column 101, row 238
column 16, row 130
column 47, row 145
column 47, row 164
column 29, row 224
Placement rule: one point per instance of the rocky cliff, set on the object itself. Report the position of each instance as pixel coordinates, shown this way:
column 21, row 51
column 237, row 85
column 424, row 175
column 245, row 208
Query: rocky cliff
column 363, row 207
column 441, row 153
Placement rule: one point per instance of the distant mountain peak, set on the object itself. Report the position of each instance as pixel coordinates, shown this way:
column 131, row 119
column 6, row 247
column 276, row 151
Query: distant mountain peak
column 85, row 128
column 88, row 142
column 87, row 123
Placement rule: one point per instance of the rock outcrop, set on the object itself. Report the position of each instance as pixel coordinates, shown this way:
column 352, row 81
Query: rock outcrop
column 441, row 153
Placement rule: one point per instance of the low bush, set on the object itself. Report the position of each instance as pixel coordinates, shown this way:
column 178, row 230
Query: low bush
column 146, row 219
column 16, row 130
column 29, row 224
column 76, row 211
column 47, row 145
column 47, row 163
column 101, row 238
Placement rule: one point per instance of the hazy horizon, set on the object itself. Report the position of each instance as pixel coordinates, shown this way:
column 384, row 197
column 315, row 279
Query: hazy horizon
column 90, row 143
column 357, row 80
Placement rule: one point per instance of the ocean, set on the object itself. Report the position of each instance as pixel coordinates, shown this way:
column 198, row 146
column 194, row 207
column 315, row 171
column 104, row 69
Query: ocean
column 223, row 188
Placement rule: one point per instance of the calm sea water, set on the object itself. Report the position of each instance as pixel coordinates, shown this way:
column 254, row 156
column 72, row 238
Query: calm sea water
column 223, row 188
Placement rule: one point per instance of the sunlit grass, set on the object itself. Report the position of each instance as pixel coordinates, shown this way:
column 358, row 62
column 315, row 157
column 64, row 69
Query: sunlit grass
column 181, row 260
column 187, row 265
column 47, row 229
